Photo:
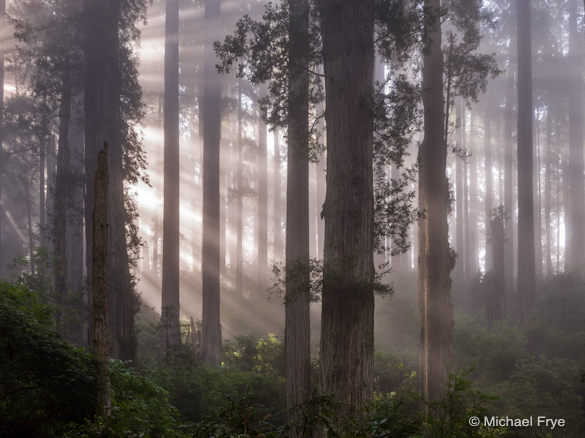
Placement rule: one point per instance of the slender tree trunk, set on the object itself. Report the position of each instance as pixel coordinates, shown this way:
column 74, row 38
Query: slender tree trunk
column 262, row 208
column 211, row 336
column 101, row 332
column 435, row 262
column 472, row 251
column 276, row 213
column 489, row 190
column 170, row 308
column 575, row 204
column 42, row 193
column 495, row 298
column 459, row 167
column 347, row 348
column 297, row 320
column 526, row 261
column 239, row 201
column 509, row 186
column 547, row 194
column 62, row 195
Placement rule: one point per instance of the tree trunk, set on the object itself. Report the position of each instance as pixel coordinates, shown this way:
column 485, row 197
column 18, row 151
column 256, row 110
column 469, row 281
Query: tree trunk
column 547, row 193
column 276, row 213
column 489, row 190
column 239, row 201
column 435, row 262
column 103, row 123
column 211, row 328
column 42, row 193
column 2, row 164
column 509, row 186
column 459, row 167
column 297, row 316
column 347, row 348
column 170, row 308
column 575, row 204
column 262, row 209
column 472, row 246
column 101, row 333
column 495, row 297
column 526, row 261
column 61, row 199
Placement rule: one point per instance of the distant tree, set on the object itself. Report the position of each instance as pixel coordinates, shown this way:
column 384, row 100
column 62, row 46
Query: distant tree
column 526, row 257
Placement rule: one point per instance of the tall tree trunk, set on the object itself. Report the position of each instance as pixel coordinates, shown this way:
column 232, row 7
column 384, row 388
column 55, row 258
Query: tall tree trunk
column 459, row 167
column 103, row 123
column 509, row 186
column 347, row 348
column 101, row 332
column 211, row 329
column 495, row 297
column 297, row 316
column 42, row 193
column 276, row 213
column 472, row 245
column 526, row 261
column 489, row 190
column 239, row 201
column 435, row 262
column 62, row 193
column 575, row 204
column 170, row 308
column 262, row 207
column 2, row 164
column 547, row 193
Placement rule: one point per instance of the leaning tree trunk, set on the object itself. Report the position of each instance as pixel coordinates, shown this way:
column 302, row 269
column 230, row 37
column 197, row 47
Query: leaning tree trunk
column 170, row 327
column 526, row 257
column 210, row 262
column 99, row 282
column 435, row 261
column 297, row 316
column 347, row 322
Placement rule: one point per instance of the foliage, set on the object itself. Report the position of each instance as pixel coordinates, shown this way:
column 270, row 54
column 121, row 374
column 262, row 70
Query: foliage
column 246, row 353
column 45, row 383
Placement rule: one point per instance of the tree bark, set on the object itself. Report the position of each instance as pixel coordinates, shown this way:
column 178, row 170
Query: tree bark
column 526, row 257
column 276, row 213
column 489, row 190
column 211, row 328
column 435, row 262
column 101, row 333
column 262, row 208
column 347, row 348
column 472, row 253
column 459, row 167
column 239, row 201
column 297, row 303
column 170, row 307
column 61, row 200
column 509, row 186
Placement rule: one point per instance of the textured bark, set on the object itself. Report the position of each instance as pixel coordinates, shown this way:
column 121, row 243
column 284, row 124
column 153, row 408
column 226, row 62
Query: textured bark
column 103, row 123
column 211, row 329
column 575, row 204
column 62, row 193
column 434, row 259
column 99, row 281
column 347, row 335
column 170, row 308
column 297, row 320
column 526, row 261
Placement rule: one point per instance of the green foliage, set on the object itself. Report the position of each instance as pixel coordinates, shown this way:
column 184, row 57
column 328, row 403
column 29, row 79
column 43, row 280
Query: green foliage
column 246, row 353
column 45, row 383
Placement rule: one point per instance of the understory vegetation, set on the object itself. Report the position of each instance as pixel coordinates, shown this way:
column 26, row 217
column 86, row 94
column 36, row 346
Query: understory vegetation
column 48, row 387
